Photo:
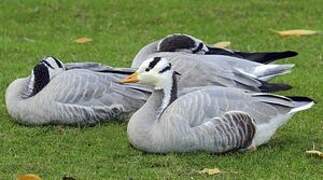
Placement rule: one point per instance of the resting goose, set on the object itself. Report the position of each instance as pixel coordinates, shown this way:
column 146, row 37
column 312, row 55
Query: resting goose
column 192, row 45
column 77, row 93
column 213, row 119
column 87, row 93
column 200, row 70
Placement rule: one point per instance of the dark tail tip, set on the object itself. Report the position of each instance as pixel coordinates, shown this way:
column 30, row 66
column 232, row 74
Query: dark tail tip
column 270, row 57
column 273, row 87
column 288, row 54
column 302, row 98
column 267, row 57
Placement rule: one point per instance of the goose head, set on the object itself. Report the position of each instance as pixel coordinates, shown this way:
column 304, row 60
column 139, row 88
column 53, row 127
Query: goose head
column 42, row 73
column 156, row 71
column 182, row 43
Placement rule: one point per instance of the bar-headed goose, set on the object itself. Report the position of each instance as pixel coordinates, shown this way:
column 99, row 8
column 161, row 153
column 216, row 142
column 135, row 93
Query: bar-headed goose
column 78, row 93
column 213, row 119
column 192, row 45
column 199, row 70
column 87, row 93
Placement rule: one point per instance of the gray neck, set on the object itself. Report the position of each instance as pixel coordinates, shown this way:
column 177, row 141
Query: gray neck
column 147, row 113
column 19, row 89
column 142, row 122
column 158, row 101
column 15, row 100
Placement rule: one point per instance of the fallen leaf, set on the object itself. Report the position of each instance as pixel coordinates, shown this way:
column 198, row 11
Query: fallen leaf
column 28, row 177
column 296, row 32
column 83, row 40
column 210, row 172
column 315, row 152
column 222, row 44
column 60, row 129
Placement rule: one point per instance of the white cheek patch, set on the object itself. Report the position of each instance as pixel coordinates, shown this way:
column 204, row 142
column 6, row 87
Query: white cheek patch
column 153, row 71
column 146, row 78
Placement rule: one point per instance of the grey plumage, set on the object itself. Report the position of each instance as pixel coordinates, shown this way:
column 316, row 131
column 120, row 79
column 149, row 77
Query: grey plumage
column 211, row 118
column 223, row 71
column 236, row 128
column 220, row 68
column 87, row 93
column 78, row 94
column 192, row 45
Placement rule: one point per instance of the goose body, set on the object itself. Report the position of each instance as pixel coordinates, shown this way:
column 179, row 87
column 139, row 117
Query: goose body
column 77, row 94
column 225, row 71
column 192, row 45
column 87, row 93
column 213, row 119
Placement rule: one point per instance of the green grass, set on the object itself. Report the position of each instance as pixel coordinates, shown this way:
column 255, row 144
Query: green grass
column 31, row 29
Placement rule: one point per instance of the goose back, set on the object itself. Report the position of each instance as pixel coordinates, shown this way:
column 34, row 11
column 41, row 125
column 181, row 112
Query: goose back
column 188, row 124
column 77, row 96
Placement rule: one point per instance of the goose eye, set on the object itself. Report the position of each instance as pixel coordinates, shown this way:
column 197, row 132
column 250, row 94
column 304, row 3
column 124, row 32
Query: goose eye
column 147, row 69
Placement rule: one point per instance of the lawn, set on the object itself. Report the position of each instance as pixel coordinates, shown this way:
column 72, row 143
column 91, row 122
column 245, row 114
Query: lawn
column 31, row 29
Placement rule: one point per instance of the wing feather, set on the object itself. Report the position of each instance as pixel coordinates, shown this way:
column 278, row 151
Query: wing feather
column 232, row 131
column 85, row 96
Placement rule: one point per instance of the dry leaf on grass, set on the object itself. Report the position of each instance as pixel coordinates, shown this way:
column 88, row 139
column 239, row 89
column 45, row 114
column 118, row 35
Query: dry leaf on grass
column 222, row 44
column 210, row 172
column 28, row 177
column 296, row 32
column 315, row 152
column 83, row 40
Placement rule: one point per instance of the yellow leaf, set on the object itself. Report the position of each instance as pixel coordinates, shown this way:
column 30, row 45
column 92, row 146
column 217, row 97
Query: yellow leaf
column 210, row 172
column 28, row 177
column 83, row 40
column 296, row 32
column 222, row 44
column 315, row 152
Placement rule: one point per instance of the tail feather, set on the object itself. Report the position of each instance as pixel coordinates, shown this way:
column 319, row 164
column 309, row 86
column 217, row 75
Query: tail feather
column 263, row 85
column 261, row 57
column 221, row 51
column 269, row 71
column 301, row 103
column 266, row 57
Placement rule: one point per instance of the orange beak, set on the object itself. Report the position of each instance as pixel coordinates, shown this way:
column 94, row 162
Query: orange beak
column 133, row 78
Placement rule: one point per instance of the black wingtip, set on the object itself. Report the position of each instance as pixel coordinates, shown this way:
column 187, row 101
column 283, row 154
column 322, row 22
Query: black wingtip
column 302, row 98
column 267, row 57
column 284, row 54
column 274, row 87
column 261, row 57
column 291, row 53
